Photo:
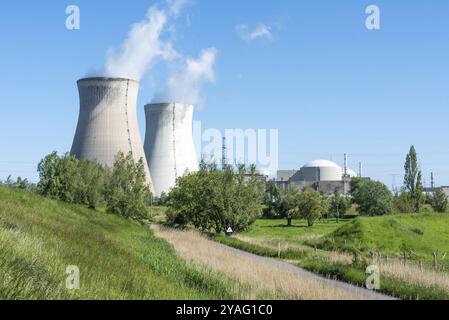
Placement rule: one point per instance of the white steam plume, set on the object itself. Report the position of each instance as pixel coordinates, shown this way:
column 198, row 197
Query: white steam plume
column 141, row 48
column 262, row 31
column 175, row 6
column 185, row 86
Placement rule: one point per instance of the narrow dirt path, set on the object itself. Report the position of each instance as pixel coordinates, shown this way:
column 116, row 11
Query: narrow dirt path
column 260, row 272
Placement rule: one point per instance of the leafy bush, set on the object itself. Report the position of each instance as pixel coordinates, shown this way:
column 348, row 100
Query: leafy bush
column 212, row 199
column 122, row 189
column 403, row 202
column 271, row 200
column 312, row 205
column 372, row 197
column 127, row 192
column 439, row 200
column 339, row 205
column 288, row 204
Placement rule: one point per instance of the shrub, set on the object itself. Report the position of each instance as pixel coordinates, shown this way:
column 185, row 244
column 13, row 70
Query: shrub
column 439, row 200
column 372, row 197
column 312, row 205
column 339, row 205
column 122, row 189
column 215, row 200
column 403, row 202
column 127, row 192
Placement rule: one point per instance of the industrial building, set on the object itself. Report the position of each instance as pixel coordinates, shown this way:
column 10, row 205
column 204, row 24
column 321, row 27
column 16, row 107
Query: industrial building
column 107, row 122
column 169, row 146
column 431, row 190
column 323, row 175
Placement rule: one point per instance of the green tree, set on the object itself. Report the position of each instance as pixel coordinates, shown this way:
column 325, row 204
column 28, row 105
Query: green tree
column 439, row 201
column 91, row 187
column 127, row 191
column 288, row 205
column 271, row 199
column 213, row 199
column 48, row 169
column 339, row 205
column 312, row 205
column 372, row 197
column 413, row 180
column 59, row 177
column 70, row 180
column 403, row 202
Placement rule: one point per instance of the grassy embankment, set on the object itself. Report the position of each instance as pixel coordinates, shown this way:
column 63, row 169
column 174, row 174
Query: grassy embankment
column 117, row 258
column 344, row 250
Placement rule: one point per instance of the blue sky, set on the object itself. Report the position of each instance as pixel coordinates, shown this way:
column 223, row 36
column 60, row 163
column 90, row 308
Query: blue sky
column 326, row 82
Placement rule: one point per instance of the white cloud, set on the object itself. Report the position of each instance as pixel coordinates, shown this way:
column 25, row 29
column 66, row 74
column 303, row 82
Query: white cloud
column 145, row 45
column 175, row 6
column 185, row 85
column 262, row 31
column 142, row 47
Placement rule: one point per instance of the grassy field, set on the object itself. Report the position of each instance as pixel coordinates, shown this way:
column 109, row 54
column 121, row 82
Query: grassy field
column 117, row 258
column 328, row 248
column 418, row 234
column 277, row 230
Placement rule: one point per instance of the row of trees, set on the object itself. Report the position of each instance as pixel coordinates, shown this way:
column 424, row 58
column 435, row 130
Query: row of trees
column 370, row 198
column 19, row 183
column 122, row 189
column 411, row 197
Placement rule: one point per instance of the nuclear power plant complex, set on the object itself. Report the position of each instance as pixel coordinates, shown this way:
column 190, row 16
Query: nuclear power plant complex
column 323, row 175
column 107, row 125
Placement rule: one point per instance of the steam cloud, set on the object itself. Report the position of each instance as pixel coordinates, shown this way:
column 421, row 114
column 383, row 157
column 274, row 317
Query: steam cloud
column 260, row 32
column 184, row 85
column 144, row 47
column 175, row 6
column 141, row 49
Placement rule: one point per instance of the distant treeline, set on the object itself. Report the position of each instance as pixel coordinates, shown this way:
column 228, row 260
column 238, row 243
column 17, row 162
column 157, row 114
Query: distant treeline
column 122, row 189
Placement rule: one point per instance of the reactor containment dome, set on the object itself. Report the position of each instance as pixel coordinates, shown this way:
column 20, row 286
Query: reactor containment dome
column 322, row 170
column 107, row 121
column 169, row 146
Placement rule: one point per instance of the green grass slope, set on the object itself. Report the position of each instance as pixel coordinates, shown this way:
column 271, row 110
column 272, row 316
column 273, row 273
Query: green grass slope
column 117, row 258
column 277, row 229
column 422, row 233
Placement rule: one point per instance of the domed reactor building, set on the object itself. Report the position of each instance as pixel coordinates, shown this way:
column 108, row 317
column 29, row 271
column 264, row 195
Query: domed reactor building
column 107, row 122
column 323, row 175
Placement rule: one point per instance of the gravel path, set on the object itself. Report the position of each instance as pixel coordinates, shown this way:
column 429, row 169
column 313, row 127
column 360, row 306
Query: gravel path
column 261, row 271
column 363, row 293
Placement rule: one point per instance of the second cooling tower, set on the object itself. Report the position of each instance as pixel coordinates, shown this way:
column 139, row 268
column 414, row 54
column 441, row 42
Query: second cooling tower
column 107, row 121
column 169, row 146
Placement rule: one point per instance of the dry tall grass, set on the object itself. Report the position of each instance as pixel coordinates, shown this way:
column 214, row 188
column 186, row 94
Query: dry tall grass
column 414, row 274
column 411, row 272
column 262, row 274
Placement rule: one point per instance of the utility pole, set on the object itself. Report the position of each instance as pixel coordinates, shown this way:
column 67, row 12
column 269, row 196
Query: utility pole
column 346, row 165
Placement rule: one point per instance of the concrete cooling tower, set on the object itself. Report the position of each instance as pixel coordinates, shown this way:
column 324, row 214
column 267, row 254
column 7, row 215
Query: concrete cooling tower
column 107, row 121
column 169, row 146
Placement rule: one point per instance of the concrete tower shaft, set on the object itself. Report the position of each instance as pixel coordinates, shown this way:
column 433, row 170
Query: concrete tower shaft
column 169, row 146
column 107, row 121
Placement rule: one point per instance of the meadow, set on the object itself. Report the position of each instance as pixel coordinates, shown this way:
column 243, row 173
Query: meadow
column 117, row 258
column 124, row 259
column 402, row 246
